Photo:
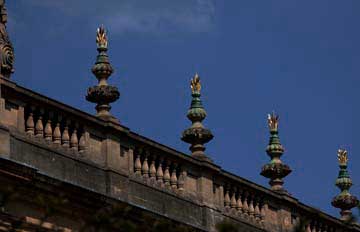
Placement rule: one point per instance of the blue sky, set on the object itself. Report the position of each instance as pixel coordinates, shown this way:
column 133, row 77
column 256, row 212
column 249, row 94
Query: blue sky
column 298, row 57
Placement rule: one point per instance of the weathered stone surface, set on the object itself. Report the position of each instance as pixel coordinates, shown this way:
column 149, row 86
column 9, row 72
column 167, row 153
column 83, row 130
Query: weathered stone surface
column 184, row 190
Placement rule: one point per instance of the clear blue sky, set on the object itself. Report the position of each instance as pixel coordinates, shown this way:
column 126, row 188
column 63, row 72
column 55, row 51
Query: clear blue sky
column 298, row 57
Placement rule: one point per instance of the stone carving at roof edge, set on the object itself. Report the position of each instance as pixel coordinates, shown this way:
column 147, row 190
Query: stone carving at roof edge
column 197, row 135
column 344, row 200
column 6, row 48
column 103, row 94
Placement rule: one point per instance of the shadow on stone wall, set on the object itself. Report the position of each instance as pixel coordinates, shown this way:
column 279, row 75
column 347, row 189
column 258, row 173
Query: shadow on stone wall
column 117, row 217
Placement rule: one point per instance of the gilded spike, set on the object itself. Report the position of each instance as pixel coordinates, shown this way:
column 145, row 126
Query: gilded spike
column 101, row 38
column 273, row 121
column 195, row 84
column 342, row 157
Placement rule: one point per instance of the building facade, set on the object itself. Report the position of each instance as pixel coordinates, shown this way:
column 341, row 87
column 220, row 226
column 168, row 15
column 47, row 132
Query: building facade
column 62, row 169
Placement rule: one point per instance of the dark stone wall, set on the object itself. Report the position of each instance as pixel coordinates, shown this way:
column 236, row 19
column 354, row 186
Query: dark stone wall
column 62, row 166
column 58, row 165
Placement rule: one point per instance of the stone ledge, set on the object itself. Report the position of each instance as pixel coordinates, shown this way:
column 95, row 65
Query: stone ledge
column 82, row 196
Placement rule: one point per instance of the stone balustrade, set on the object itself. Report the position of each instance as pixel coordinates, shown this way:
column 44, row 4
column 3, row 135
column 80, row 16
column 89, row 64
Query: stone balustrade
column 159, row 170
column 244, row 203
column 112, row 158
column 55, row 128
column 316, row 225
column 249, row 202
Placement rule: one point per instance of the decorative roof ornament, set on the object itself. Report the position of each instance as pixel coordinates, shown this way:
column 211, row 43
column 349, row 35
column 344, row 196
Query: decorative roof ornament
column 101, row 38
column 275, row 170
column 342, row 157
column 195, row 84
column 273, row 121
column 197, row 135
column 7, row 56
column 103, row 94
column 344, row 201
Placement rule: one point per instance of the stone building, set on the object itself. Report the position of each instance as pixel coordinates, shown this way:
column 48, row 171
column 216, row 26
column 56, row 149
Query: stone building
column 62, row 169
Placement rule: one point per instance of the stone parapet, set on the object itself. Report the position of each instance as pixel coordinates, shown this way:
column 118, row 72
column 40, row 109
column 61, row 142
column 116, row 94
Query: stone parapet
column 72, row 146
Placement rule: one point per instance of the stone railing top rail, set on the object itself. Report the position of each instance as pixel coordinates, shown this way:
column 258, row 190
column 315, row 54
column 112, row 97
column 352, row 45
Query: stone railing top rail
column 11, row 91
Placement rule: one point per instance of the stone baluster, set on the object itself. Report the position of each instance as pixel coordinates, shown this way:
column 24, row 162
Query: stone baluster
column 239, row 205
column 74, row 141
column 82, row 142
column 57, row 131
column 245, row 204
column 48, row 129
column 39, row 127
column 227, row 198
column 30, row 125
column 263, row 211
column 181, row 180
column 153, row 169
column 308, row 228
column 257, row 209
column 313, row 227
column 167, row 174
column 239, row 202
column 137, row 164
column 65, row 138
column 251, row 206
column 145, row 166
column 173, row 178
column 233, row 199
column 159, row 171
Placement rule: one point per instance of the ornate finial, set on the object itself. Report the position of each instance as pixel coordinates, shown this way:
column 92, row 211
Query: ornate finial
column 273, row 121
column 344, row 201
column 275, row 170
column 101, row 38
column 3, row 12
column 6, row 49
column 195, row 84
column 197, row 135
column 342, row 157
column 103, row 94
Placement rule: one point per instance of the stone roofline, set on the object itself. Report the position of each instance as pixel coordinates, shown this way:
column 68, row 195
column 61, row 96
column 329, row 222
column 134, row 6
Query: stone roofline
column 95, row 138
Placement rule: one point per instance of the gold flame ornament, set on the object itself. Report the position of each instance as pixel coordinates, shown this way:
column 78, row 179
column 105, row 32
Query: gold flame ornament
column 342, row 156
column 273, row 121
column 101, row 38
column 195, row 84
